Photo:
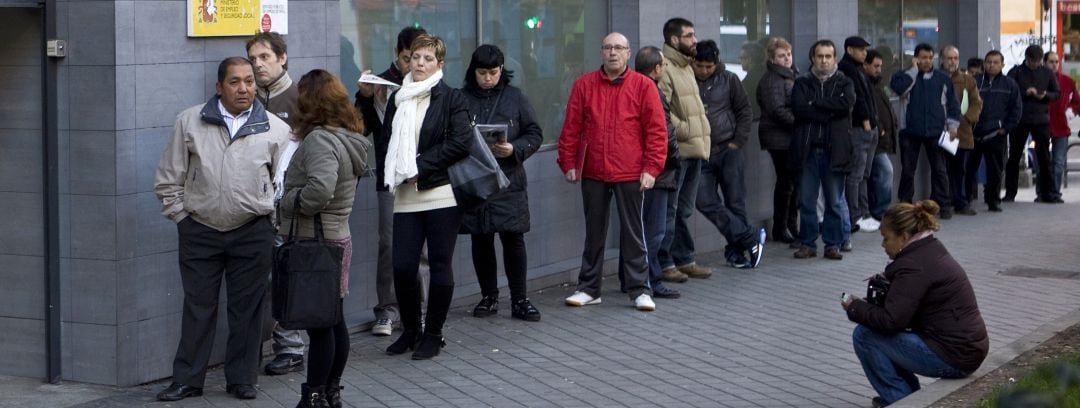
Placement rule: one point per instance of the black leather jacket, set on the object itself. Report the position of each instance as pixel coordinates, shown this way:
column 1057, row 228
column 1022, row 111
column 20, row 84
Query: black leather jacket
column 445, row 136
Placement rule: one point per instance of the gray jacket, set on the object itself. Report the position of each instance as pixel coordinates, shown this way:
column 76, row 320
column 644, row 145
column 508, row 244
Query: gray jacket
column 220, row 181
column 323, row 173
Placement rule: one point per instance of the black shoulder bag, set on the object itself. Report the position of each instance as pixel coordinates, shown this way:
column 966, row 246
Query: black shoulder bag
column 306, row 280
column 477, row 177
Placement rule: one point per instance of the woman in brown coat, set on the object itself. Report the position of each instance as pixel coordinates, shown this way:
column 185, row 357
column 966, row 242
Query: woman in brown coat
column 929, row 323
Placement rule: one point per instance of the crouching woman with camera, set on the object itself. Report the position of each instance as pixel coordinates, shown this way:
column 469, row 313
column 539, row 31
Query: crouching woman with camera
column 928, row 322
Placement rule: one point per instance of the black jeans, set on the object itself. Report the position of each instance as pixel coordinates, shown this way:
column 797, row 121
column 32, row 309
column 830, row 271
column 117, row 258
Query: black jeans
column 958, row 178
column 993, row 150
column 1017, row 146
column 328, row 352
column 439, row 230
column 242, row 257
column 939, row 175
column 486, row 265
column 785, row 195
column 722, row 199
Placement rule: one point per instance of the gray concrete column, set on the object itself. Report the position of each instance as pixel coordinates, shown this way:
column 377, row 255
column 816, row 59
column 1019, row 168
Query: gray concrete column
column 813, row 20
column 980, row 20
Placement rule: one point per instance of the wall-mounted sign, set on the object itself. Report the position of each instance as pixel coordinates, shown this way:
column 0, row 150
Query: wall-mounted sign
column 221, row 18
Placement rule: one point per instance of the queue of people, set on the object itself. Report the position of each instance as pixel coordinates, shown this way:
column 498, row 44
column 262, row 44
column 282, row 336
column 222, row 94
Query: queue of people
column 662, row 139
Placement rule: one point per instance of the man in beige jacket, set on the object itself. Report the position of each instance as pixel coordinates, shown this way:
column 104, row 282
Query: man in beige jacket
column 676, row 253
column 215, row 181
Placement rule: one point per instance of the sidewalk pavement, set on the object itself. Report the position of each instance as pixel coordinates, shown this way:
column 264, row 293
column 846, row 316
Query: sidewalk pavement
column 770, row 337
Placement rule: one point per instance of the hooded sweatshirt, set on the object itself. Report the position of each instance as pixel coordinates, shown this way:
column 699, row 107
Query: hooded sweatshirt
column 323, row 174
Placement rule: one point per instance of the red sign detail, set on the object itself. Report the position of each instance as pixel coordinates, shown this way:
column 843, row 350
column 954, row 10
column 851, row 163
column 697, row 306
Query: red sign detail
column 266, row 23
column 1069, row 7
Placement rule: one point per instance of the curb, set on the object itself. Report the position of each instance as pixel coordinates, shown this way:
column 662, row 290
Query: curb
column 938, row 390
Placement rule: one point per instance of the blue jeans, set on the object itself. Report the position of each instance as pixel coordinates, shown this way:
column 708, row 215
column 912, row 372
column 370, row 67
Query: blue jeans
column 677, row 248
column 879, row 187
column 724, row 174
column 1059, row 147
column 817, row 177
column 654, row 220
column 891, row 361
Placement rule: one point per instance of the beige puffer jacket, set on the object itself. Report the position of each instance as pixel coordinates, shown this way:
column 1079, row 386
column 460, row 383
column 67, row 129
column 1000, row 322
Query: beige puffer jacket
column 687, row 111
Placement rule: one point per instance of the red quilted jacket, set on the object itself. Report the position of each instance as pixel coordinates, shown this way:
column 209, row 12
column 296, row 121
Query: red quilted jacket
column 614, row 130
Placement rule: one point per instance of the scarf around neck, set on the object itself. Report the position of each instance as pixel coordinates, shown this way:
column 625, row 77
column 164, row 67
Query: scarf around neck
column 405, row 131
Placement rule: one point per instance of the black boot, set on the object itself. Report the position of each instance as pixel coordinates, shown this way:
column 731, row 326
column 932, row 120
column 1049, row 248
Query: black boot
column 333, row 393
column 312, row 397
column 431, row 342
column 408, row 296
column 429, row 347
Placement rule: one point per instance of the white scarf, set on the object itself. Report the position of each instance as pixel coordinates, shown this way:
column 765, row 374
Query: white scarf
column 401, row 154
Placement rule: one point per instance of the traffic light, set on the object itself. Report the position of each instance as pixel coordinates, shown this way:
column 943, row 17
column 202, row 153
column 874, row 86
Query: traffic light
column 534, row 23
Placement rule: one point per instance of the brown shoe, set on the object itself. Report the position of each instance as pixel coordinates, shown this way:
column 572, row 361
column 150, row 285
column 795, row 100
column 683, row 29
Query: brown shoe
column 672, row 274
column 805, row 252
column 834, row 253
column 695, row 271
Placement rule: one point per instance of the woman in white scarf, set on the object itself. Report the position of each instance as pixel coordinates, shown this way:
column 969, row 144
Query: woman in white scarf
column 429, row 131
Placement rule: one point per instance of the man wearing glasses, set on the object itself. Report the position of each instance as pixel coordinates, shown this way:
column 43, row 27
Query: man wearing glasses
column 614, row 140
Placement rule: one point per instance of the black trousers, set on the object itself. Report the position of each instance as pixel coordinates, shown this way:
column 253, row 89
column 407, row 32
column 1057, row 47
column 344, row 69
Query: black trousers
column 939, row 175
column 596, row 198
column 439, row 230
column 242, row 256
column 486, row 265
column 785, row 196
column 993, row 150
column 1017, row 146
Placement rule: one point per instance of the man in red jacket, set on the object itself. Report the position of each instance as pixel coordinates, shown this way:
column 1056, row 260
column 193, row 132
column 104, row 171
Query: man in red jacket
column 1059, row 124
column 614, row 140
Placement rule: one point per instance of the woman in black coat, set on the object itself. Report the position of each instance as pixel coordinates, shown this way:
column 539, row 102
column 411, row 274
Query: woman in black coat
column 775, row 132
column 492, row 100
column 426, row 131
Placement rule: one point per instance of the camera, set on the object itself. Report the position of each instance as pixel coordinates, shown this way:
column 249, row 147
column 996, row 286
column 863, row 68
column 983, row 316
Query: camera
column 876, row 289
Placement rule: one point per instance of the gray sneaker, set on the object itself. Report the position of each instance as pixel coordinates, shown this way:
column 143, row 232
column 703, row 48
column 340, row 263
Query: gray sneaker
column 383, row 327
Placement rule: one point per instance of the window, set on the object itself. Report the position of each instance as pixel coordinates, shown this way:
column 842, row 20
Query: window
column 894, row 28
column 369, row 31
column 548, row 44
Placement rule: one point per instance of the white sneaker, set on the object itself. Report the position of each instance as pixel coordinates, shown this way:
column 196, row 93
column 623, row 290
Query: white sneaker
column 644, row 302
column 580, row 298
column 869, row 224
column 383, row 327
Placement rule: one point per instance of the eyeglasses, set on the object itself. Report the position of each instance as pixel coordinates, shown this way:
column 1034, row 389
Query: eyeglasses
column 615, row 47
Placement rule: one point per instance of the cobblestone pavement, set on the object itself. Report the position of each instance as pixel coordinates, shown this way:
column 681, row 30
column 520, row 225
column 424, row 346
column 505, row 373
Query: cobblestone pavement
column 771, row 337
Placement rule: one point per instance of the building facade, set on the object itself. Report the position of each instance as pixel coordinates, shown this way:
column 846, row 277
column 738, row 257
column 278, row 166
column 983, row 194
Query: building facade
column 92, row 289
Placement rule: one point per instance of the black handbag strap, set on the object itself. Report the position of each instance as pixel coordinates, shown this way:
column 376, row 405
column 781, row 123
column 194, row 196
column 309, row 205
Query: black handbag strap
column 317, row 222
column 495, row 106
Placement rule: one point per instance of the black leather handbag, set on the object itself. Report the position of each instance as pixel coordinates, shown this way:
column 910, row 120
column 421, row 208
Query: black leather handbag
column 306, row 280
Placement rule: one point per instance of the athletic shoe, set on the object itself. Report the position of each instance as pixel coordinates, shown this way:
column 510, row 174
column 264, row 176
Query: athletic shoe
column 644, row 303
column 580, row 298
column 383, row 327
